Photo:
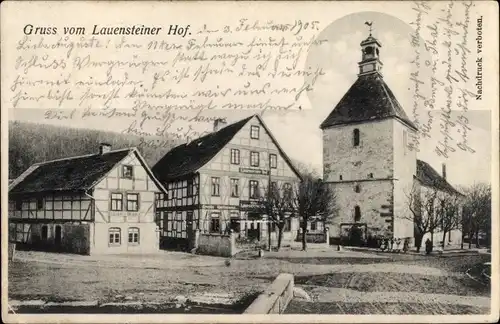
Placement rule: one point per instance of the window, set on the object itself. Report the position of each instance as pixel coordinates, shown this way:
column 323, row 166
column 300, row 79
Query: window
column 287, row 190
column 45, row 232
column 370, row 175
column 116, row 201
column 288, row 224
column 357, row 188
column 340, row 177
column 214, row 223
column 39, row 203
column 114, row 236
column 133, row 235
column 127, row 172
column 133, row 202
column 274, row 186
column 215, row 186
column 254, row 189
column 189, row 190
column 235, row 222
column 313, row 225
column 356, row 137
column 19, row 204
column 273, row 161
column 254, row 159
column 235, row 156
column 254, row 132
column 357, row 214
column 235, row 192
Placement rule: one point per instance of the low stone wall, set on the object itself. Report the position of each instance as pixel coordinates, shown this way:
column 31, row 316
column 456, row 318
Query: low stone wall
column 315, row 237
column 275, row 298
column 216, row 244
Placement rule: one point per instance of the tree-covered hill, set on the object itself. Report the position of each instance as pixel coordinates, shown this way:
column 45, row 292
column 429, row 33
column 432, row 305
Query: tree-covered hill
column 30, row 143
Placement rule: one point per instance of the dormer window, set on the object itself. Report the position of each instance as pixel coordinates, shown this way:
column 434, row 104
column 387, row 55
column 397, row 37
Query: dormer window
column 355, row 135
column 370, row 175
column 127, row 172
column 254, row 132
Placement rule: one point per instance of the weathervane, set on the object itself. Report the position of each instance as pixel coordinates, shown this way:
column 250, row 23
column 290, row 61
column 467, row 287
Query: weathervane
column 369, row 23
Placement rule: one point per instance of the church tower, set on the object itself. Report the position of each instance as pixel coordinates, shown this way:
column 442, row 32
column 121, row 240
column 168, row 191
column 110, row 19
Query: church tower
column 366, row 158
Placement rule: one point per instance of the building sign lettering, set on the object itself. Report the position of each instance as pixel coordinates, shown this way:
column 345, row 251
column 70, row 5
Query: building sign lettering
column 220, row 207
column 123, row 213
column 250, row 205
column 254, row 171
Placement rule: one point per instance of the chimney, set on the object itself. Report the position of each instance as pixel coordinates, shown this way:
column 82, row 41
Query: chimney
column 444, row 171
column 104, row 148
column 219, row 123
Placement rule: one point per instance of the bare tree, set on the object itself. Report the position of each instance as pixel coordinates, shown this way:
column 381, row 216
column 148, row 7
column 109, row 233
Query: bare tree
column 476, row 216
column 277, row 203
column 313, row 197
column 422, row 202
column 448, row 216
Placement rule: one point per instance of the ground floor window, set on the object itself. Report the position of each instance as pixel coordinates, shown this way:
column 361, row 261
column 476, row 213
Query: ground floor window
column 288, row 224
column 235, row 223
column 133, row 235
column 114, row 236
column 313, row 225
column 214, row 223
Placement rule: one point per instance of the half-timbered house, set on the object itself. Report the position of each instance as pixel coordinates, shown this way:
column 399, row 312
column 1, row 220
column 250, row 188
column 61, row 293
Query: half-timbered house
column 215, row 183
column 91, row 204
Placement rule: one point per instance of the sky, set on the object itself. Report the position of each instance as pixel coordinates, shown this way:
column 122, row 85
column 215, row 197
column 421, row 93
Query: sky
column 298, row 131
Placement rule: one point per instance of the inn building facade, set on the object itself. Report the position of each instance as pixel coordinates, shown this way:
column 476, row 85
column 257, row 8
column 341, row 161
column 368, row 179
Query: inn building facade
column 99, row 203
column 215, row 184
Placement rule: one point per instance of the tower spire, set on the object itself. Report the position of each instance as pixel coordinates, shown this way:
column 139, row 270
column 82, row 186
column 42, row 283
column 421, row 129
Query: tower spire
column 369, row 24
column 370, row 54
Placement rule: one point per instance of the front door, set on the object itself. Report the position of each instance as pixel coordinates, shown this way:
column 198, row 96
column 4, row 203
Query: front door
column 58, row 236
column 253, row 228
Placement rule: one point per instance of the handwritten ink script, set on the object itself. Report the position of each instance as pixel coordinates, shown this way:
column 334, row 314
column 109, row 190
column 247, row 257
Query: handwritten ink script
column 156, row 77
column 447, row 72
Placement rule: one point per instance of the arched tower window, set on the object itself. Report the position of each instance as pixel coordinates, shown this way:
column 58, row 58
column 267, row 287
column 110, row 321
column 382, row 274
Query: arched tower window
column 357, row 214
column 355, row 135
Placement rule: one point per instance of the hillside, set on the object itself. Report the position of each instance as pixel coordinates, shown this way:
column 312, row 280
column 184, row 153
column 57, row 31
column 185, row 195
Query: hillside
column 30, row 143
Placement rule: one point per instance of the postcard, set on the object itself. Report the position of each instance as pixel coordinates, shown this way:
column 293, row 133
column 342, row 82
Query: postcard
column 249, row 161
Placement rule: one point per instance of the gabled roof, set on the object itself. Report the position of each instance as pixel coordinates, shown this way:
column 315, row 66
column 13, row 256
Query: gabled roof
column 369, row 98
column 72, row 174
column 188, row 158
column 429, row 177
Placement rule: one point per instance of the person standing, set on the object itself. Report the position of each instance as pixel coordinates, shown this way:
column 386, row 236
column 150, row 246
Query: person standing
column 428, row 246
